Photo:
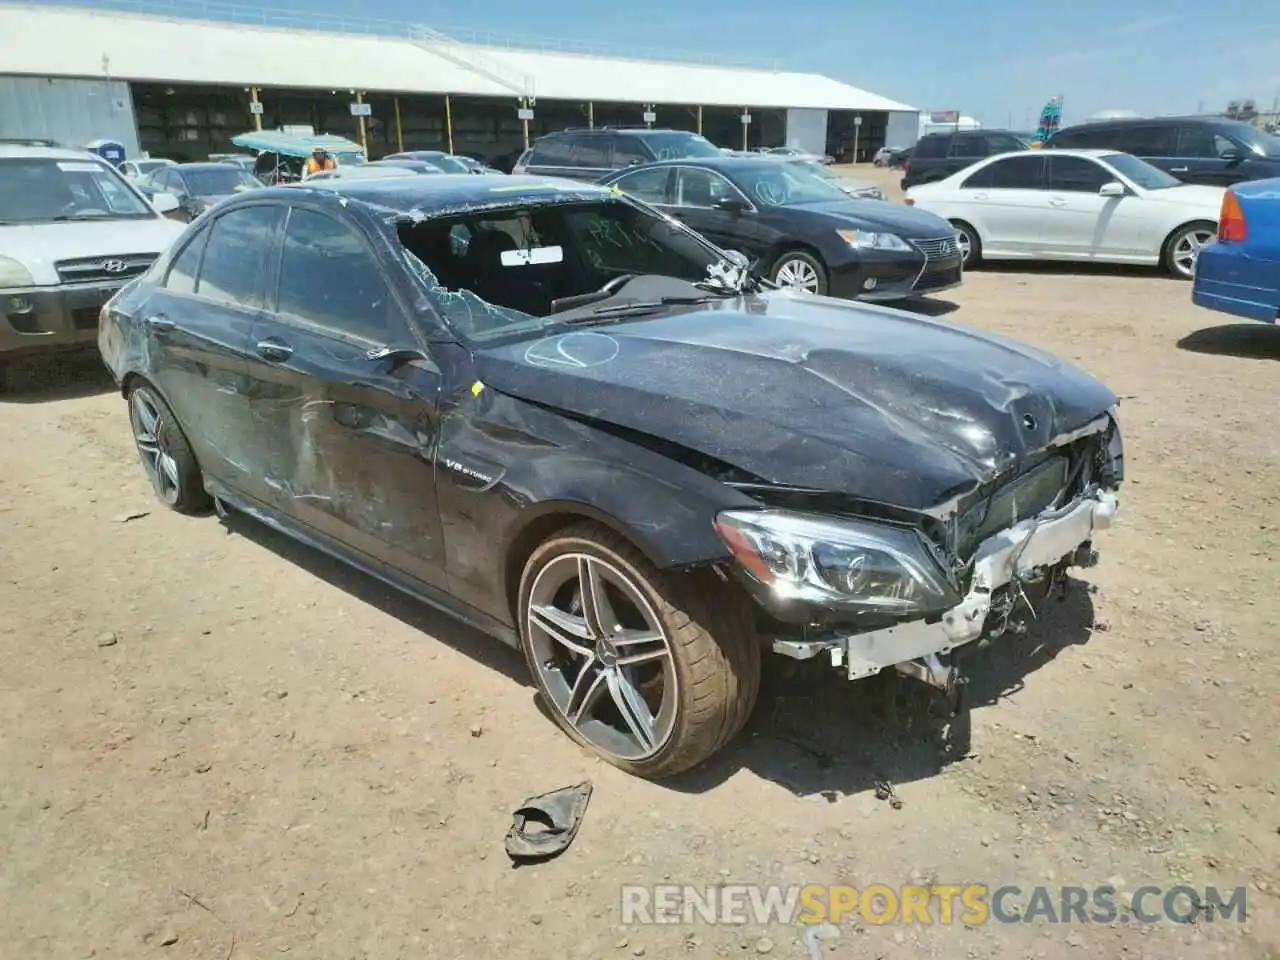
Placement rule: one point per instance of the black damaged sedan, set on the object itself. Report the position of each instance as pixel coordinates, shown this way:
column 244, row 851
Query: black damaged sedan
column 570, row 421
column 802, row 230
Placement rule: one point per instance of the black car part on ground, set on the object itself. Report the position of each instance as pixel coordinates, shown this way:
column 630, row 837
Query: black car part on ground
column 601, row 495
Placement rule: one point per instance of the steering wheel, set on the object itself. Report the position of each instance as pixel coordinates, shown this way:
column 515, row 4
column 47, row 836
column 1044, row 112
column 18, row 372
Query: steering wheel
column 617, row 283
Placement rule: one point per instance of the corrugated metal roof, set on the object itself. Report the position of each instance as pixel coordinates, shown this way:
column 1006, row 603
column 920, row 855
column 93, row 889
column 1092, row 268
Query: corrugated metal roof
column 91, row 43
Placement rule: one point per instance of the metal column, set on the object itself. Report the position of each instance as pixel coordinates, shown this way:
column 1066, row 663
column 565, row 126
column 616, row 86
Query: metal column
column 364, row 145
column 253, row 99
column 448, row 121
column 399, row 128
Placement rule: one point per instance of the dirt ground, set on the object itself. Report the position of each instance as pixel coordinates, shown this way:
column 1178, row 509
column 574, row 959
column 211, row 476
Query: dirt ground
column 217, row 745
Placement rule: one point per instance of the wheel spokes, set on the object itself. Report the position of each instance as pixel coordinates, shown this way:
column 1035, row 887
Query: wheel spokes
column 597, row 608
column 635, row 712
column 602, row 656
column 590, row 683
column 568, row 631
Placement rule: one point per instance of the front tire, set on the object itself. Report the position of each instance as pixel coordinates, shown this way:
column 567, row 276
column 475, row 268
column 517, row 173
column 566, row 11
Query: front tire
column 1183, row 247
column 799, row 271
column 165, row 453
column 636, row 664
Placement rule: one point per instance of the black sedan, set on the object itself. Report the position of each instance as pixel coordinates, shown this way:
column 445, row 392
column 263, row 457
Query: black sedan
column 198, row 186
column 570, row 421
column 800, row 230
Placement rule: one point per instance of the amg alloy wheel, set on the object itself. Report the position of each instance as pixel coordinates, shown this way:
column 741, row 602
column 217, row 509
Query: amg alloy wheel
column 652, row 686
column 166, row 456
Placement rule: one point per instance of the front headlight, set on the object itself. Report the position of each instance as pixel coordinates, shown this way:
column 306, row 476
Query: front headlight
column 14, row 274
column 866, row 240
column 850, row 564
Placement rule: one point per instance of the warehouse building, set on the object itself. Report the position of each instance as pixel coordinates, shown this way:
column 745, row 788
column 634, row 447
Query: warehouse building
column 181, row 86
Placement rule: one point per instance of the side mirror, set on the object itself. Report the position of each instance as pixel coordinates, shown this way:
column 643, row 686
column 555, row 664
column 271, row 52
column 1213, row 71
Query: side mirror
column 730, row 205
column 1113, row 189
column 165, row 203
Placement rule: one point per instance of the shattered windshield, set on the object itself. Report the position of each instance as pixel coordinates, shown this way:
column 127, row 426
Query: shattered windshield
column 516, row 271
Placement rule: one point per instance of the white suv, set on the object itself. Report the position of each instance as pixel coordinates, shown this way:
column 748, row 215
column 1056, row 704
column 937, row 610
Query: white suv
column 72, row 232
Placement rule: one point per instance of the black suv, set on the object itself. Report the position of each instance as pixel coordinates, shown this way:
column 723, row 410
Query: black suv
column 938, row 155
column 589, row 154
column 1207, row 150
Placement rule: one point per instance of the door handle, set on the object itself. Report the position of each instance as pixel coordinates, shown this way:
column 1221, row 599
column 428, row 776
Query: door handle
column 1178, row 169
column 979, row 196
column 274, row 350
column 1057, row 202
column 159, row 323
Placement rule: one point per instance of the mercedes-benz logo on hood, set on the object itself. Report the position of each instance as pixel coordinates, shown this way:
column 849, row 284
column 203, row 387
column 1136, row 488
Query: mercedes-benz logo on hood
column 1029, row 421
column 113, row 266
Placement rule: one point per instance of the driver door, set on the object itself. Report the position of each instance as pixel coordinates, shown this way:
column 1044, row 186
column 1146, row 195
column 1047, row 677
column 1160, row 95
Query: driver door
column 695, row 191
column 346, row 442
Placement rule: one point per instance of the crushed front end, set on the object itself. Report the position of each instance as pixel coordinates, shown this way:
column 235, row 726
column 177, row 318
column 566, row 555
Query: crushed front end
column 874, row 589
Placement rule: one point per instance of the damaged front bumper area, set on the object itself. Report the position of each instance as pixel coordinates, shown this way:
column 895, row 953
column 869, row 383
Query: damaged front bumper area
column 1031, row 551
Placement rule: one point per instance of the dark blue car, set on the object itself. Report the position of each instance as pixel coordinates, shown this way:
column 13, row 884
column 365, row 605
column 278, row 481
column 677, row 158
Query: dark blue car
column 1240, row 274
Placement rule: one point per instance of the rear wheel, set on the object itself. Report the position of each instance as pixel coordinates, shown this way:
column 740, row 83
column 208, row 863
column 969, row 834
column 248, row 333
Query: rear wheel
column 1183, row 247
column 165, row 453
column 635, row 664
column 800, row 271
column 970, row 243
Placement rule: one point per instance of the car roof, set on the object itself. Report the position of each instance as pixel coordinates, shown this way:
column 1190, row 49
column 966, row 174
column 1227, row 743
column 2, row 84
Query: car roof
column 601, row 131
column 440, row 196
column 1093, row 152
column 724, row 163
column 202, row 165
column 13, row 150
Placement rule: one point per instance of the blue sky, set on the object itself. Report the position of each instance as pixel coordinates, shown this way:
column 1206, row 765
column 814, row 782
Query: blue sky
column 999, row 60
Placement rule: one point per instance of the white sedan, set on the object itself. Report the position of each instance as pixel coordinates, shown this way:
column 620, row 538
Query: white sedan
column 1094, row 205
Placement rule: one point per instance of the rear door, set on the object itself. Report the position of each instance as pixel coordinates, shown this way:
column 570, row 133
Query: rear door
column 966, row 149
column 198, row 324
column 1079, row 224
column 550, row 157
column 1156, row 143
column 351, row 436
column 1007, row 200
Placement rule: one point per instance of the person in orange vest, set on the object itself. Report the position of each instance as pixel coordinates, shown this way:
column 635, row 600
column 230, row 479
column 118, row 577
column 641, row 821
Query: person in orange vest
column 319, row 160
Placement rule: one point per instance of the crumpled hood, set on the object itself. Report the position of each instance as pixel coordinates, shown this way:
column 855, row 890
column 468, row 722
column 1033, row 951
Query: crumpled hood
column 38, row 246
column 812, row 392
column 885, row 217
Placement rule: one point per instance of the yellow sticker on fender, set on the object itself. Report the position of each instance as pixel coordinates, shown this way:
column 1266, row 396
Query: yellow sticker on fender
column 476, row 388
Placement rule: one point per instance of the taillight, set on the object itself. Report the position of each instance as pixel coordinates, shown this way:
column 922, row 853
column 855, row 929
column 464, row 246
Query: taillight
column 908, row 201
column 1231, row 225
column 906, row 166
